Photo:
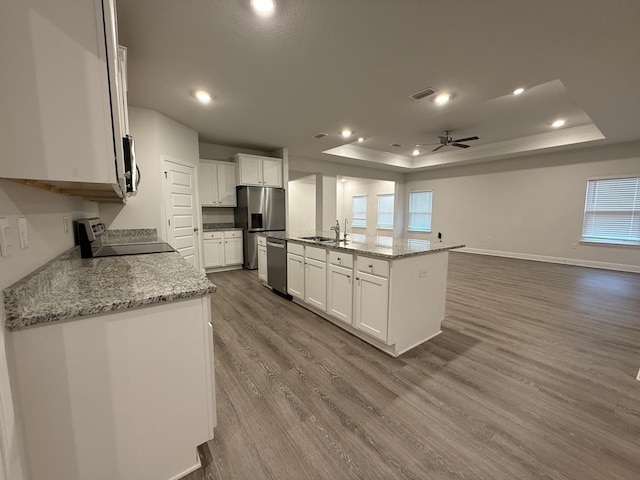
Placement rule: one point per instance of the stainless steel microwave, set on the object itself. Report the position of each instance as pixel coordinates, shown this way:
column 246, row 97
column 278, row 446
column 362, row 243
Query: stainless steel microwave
column 131, row 170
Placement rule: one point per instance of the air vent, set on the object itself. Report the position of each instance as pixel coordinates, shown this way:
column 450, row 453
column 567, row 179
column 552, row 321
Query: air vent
column 423, row 93
column 320, row 135
column 396, row 144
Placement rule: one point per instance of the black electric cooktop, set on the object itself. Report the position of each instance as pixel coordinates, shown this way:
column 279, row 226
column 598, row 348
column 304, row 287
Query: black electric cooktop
column 132, row 249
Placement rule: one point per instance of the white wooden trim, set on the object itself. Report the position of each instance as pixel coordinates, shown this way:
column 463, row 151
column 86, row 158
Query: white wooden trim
column 622, row 267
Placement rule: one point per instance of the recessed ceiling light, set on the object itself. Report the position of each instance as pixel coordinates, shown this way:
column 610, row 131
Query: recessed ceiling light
column 361, row 139
column 202, row 96
column 518, row 91
column 346, row 133
column 558, row 123
column 416, row 152
column 442, row 98
column 263, row 7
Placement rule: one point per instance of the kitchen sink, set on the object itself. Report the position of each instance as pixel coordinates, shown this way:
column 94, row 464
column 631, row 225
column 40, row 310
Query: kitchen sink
column 317, row 238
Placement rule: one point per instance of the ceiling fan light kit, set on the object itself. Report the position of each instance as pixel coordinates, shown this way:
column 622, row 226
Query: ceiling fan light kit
column 447, row 140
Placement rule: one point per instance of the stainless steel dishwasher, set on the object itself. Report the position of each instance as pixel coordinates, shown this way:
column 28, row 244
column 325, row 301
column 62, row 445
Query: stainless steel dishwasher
column 277, row 265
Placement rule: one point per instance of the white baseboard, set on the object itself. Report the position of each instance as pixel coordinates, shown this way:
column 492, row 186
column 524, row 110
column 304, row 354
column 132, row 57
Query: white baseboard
column 544, row 258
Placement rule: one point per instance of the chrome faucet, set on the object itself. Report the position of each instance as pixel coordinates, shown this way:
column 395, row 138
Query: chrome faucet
column 336, row 228
column 345, row 229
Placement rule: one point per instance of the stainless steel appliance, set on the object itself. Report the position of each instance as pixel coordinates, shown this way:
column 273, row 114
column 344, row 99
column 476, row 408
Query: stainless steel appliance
column 259, row 210
column 90, row 231
column 131, row 170
column 277, row 264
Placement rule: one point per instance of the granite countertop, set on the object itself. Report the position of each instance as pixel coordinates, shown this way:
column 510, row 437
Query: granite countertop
column 69, row 287
column 375, row 246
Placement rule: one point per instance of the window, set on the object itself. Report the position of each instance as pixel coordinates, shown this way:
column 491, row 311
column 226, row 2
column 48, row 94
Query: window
column 612, row 211
column 420, row 211
column 385, row 211
column 359, row 211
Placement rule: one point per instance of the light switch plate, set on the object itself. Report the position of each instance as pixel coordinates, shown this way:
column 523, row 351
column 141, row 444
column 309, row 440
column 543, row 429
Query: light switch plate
column 5, row 238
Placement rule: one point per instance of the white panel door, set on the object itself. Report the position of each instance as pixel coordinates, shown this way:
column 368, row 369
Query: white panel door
column 233, row 254
column 272, row 173
column 295, row 275
column 250, row 168
column 181, row 210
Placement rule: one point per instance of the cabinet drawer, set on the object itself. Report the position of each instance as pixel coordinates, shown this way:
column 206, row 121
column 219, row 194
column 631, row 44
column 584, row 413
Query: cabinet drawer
column 296, row 248
column 316, row 253
column 341, row 258
column 212, row 235
column 374, row 266
column 262, row 241
column 233, row 234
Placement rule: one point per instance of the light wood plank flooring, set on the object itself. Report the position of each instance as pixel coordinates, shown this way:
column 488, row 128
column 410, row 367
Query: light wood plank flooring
column 533, row 377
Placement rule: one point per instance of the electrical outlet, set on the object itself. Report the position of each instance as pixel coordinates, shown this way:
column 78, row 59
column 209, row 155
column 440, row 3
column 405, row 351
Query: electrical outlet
column 423, row 273
column 22, row 233
column 65, row 224
column 574, row 245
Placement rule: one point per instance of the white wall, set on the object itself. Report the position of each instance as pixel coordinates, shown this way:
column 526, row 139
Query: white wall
column 370, row 188
column 44, row 212
column 302, row 204
column 157, row 137
column 528, row 207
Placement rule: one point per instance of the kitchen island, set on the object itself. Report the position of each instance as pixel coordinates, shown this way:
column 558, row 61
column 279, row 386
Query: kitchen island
column 112, row 360
column 390, row 292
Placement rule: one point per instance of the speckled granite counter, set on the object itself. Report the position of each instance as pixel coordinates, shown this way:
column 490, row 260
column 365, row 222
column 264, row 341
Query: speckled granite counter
column 380, row 246
column 70, row 287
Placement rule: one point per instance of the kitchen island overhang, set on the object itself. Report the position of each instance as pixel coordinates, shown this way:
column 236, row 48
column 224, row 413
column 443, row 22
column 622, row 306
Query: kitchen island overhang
column 389, row 292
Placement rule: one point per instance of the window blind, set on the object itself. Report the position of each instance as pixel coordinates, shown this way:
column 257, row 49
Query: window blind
column 420, row 204
column 612, row 210
column 359, row 211
column 385, row 211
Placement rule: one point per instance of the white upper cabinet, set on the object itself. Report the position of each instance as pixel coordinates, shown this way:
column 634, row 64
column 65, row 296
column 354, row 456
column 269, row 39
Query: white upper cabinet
column 257, row 170
column 59, row 91
column 217, row 184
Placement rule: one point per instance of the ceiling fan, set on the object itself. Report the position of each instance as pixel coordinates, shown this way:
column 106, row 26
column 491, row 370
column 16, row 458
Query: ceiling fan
column 446, row 140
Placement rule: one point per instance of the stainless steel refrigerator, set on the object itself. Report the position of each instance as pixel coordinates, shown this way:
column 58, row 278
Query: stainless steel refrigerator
column 259, row 210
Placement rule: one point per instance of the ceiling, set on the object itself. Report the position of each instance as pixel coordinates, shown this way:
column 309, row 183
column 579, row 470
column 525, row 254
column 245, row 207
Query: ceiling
column 321, row 66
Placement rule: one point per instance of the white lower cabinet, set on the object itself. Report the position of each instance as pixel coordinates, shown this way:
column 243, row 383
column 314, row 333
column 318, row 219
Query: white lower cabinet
column 315, row 283
column 371, row 305
column 340, row 293
column 213, row 250
column 126, row 395
column 222, row 249
column 295, row 275
column 262, row 259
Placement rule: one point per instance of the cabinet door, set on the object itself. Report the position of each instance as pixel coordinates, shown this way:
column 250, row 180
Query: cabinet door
column 295, row 275
column 315, row 283
column 226, row 185
column 262, row 263
column 340, row 293
column 250, row 168
column 372, row 298
column 272, row 172
column 233, row 251
column 213, row 253
column 207, row 192
column 55, row 93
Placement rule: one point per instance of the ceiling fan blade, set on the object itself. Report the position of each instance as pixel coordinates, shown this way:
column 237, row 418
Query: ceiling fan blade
column 461, row 145
column 423, row 144
column 437, row 148
column 468, row 139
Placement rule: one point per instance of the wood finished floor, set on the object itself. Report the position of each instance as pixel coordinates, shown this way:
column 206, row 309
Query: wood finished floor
column 533, row 377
